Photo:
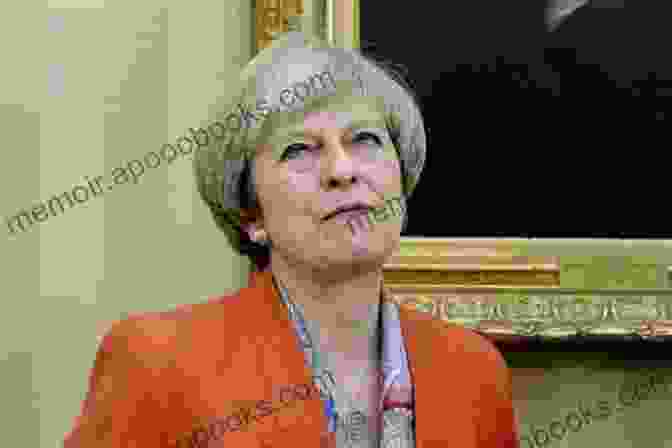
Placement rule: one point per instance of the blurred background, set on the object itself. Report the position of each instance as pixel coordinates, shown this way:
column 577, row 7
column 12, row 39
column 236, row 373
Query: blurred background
column 86, row 86
column 545, row 119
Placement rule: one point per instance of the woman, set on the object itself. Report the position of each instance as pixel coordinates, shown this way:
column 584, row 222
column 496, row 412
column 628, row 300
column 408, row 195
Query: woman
column 311, row 182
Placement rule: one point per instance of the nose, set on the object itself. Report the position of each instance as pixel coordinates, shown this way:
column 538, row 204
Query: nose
column 339, row 169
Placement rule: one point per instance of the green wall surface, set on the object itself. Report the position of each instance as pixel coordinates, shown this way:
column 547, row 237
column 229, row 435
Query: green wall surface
column 87, row 86
column 615, row 396
column 605, row 263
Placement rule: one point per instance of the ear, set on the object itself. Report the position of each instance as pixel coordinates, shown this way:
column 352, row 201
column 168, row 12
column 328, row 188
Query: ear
column 252, row 223
column 253, row 230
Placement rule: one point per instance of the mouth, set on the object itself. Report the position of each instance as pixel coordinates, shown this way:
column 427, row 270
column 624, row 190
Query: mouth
column 355, row 209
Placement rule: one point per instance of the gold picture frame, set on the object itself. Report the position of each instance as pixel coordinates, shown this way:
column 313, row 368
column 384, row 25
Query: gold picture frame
column 336, row 21
column 510, row 289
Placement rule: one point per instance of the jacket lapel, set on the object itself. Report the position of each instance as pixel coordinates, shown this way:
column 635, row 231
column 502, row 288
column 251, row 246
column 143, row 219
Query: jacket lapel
column 284, row 366
column 416, row 336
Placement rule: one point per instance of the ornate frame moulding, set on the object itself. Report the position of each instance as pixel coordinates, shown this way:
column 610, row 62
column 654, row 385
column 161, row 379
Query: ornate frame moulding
column 507, row 293
column 273, row 17
column 336, row 21
column 498, row 263
column 547, row 313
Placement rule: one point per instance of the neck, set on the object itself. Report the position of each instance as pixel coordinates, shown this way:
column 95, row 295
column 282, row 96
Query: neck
column 346, row 308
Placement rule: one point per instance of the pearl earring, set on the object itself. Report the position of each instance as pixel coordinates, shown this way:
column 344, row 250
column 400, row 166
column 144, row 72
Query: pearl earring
column 260, row 237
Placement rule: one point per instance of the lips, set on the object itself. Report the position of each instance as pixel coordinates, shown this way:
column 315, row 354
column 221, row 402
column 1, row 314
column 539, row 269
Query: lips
column 348, row 208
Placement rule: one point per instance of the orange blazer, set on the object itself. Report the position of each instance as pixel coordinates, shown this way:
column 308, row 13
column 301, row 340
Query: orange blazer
column 229, row 373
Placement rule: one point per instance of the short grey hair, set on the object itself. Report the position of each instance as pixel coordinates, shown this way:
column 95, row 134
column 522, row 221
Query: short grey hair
column 226, row 182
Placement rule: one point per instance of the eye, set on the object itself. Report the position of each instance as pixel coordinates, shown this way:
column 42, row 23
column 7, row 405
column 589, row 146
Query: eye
column 363, row 136
column 293, row 149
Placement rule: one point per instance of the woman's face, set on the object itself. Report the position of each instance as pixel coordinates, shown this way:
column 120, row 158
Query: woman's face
column 335, row 152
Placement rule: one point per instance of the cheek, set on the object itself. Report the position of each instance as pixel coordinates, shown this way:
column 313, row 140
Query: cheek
column 391, row 167
column 284, row 190
column 309, row 161
column 294, row 197
column 303, row 183
column 387, row 159
column 386, row 172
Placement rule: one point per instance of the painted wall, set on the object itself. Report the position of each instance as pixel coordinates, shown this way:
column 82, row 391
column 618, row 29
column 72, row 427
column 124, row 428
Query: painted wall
column 87, row 86
column 614, row 395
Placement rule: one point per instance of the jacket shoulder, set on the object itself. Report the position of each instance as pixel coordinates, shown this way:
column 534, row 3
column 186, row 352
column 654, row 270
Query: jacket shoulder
column 477, row 374
column 463, row 349
column 156, row 328
column 123, row 382
column 456, row 337
column 131, row 380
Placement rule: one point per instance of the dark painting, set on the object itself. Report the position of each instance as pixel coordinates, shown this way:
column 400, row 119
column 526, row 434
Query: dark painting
column 532, row 132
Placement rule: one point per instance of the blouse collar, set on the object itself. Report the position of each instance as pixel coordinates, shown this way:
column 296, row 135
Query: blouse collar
column 393, row 354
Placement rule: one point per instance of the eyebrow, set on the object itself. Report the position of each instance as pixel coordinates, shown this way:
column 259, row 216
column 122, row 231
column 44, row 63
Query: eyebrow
column 358, row 124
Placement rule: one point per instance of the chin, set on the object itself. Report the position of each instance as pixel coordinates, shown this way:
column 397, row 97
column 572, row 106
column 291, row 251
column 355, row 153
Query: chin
column 340, row 267
column 355, row 252
column 358, row 256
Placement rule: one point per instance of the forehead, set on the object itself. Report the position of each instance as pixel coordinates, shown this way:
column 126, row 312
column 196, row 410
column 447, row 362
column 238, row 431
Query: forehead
column 338, row 110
